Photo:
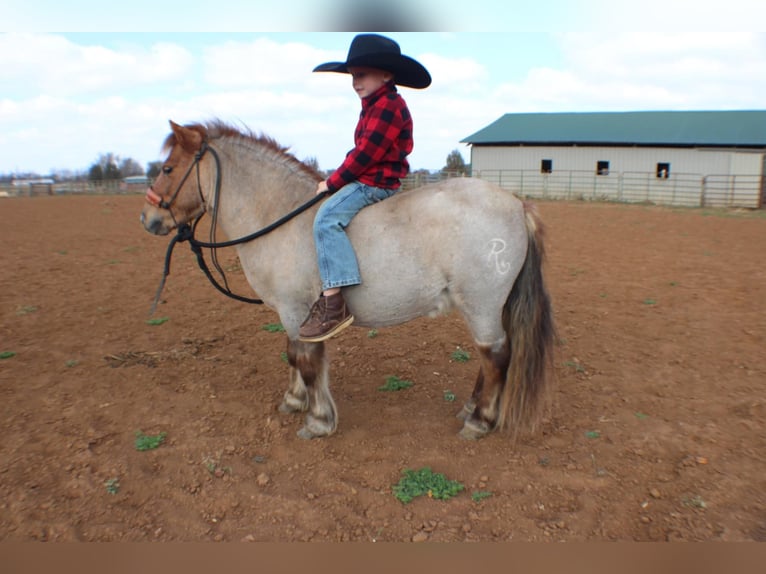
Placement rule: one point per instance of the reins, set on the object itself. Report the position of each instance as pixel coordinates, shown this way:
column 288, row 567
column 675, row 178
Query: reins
column 186, row 232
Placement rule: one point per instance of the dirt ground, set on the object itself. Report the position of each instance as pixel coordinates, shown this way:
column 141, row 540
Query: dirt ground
column 656, row 429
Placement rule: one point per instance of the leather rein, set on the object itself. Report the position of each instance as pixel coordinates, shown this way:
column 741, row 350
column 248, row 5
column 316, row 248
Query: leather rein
column 186, row 232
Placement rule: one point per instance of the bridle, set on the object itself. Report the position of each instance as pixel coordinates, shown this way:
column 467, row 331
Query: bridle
column 186, row 232
column 158, row 201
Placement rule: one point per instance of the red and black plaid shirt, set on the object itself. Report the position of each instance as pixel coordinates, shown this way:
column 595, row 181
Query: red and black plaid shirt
column 383, row 140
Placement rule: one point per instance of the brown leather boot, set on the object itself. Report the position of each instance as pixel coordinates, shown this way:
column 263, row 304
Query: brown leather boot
column 328, row 317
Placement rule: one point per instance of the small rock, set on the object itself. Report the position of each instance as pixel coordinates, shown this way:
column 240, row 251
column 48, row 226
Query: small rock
column 466, row 528
column 646, row 519
column 420, row 537
column 484, row 478
column 655, row 493
column 230, row 448
column 263, row 479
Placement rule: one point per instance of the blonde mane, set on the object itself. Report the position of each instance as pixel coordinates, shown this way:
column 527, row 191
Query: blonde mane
column 215, row 129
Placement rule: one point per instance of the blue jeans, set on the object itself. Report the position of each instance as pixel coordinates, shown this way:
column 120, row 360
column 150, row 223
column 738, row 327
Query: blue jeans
column 335, row 254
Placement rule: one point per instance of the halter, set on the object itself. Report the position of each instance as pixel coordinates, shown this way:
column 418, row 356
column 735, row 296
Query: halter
column 186, row 232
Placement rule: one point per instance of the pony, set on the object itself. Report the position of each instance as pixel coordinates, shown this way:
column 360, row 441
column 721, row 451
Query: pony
column 461, row 243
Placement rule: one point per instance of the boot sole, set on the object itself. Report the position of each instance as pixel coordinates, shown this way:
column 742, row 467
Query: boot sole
column 338, row 328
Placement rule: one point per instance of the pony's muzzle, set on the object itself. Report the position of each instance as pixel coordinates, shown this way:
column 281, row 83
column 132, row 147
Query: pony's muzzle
column 154, row 223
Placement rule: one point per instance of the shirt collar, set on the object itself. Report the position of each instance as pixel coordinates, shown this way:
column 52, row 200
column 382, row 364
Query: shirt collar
column 388, row 87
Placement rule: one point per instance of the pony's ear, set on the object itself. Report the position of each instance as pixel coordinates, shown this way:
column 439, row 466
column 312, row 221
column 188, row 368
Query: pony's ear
column 189, row 139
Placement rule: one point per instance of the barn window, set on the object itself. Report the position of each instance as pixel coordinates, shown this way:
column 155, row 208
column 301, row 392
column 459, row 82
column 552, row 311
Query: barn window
column 602, row 168
column 546, row 166
column 663, row 170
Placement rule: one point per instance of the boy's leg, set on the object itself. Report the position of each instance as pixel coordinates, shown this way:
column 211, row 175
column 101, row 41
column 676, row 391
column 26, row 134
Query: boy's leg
column 336, row 258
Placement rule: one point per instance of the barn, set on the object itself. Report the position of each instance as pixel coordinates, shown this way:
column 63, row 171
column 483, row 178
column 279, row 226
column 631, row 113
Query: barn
column 694, row 158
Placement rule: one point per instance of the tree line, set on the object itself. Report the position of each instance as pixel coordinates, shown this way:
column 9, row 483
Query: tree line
column 110, row 167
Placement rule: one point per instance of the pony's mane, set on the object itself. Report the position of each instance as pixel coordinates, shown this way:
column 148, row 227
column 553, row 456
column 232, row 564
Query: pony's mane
column 214, row 129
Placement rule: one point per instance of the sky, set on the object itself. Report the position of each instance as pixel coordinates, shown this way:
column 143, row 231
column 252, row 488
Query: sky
column 78, row 82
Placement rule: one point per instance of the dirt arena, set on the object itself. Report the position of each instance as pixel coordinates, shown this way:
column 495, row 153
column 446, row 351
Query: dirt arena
column 656, row 428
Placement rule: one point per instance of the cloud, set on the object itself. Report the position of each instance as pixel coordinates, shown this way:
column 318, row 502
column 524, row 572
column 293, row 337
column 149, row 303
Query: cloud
column 50, row 63
column 65, row 101
column 637, row 71
column 262, row 63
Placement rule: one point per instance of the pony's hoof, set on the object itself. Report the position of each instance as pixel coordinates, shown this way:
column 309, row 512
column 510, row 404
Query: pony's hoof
column 291, row 405
column 474, row 431
column 466, row 411
column 307, row 434
column 315, row 428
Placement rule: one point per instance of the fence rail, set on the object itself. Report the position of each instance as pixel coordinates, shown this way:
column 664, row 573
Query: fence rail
column 682, row 189
column 679, row 189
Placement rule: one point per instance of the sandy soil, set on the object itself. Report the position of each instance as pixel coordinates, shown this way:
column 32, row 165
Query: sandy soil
column 656, row 431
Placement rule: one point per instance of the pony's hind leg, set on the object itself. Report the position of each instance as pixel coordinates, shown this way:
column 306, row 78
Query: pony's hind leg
column 486, row 395
column 470, row 405
column 309, row 389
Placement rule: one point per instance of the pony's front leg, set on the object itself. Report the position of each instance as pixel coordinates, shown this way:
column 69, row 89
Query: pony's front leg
column 296, row 399
column 310, row 389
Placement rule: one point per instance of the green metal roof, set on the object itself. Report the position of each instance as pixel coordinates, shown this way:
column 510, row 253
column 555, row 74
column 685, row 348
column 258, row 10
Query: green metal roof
column 741, row 128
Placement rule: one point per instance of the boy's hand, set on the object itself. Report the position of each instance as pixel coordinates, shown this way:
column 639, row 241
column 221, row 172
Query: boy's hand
column 322, row 187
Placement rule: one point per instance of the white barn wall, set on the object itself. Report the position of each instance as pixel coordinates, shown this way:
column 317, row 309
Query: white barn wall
column 698, row 177
column 621, row 159
column 713, row 177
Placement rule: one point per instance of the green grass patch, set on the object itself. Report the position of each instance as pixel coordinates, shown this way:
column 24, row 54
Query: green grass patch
column 460, row 355
column 641, row 416
column 649, row 301
column 273, row 328
column 425, row 482
column 71, row 363
column 149, row 442
column 592, row 434
column 449, row 396
column 26, row 310
column 479, row 495
column 578, row 368
column 394, row 383
column 694, row 502
column 112, row 486
column 157, row 321
column 372, row 333
column 7, row 354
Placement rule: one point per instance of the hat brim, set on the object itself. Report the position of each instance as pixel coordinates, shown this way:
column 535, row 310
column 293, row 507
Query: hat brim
column 407, row 72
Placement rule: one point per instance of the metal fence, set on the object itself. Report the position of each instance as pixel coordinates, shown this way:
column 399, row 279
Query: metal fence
column 678, row 189
column 683, row 189
column 71, row 188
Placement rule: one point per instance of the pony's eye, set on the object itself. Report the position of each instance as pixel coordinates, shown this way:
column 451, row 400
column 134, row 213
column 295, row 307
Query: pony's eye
column 166, row 169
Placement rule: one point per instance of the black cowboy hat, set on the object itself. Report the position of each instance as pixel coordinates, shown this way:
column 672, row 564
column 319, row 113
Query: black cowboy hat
column 375, row 51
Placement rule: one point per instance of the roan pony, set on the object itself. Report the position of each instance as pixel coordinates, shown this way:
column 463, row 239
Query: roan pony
column 462, row 243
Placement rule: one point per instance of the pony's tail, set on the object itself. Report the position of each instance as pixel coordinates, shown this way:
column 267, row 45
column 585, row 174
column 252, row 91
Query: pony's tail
column 528, row 322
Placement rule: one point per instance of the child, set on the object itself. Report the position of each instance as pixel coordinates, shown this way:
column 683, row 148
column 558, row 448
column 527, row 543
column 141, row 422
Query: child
column 370, row 173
